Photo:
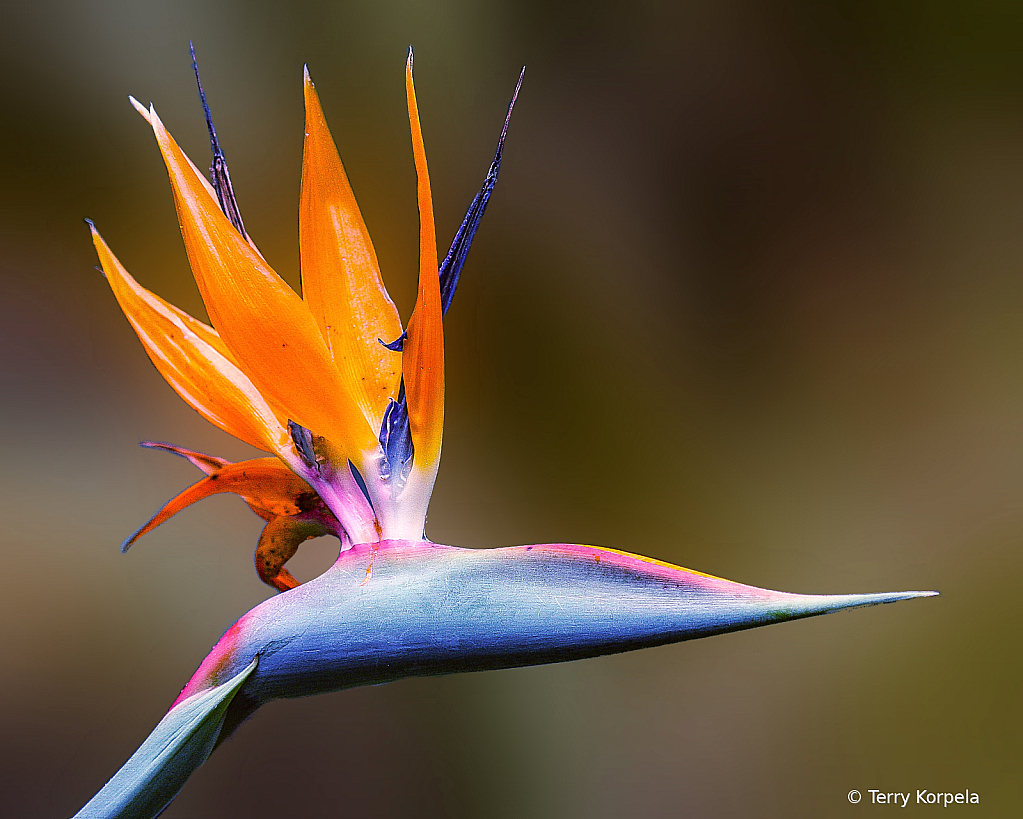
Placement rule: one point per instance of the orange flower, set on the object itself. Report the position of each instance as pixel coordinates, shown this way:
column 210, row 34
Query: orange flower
column 306, row 378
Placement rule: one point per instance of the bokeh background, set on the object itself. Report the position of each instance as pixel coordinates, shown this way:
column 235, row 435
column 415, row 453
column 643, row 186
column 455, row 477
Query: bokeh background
column 748, row 298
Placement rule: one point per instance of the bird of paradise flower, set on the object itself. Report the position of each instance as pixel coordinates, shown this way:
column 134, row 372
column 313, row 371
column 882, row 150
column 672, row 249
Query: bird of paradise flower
column 350, row 408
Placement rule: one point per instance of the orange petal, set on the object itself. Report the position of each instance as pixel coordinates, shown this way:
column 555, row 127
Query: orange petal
column 138, row 106
column 200, row 460
column 196, row 492
column 423, row 356
column 269, row 487
column 277, row 545
column 262, row 321
column 340, row 275
column 193, row 360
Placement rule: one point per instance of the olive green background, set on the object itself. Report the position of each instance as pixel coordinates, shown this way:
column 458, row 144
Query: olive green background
column 748, row 298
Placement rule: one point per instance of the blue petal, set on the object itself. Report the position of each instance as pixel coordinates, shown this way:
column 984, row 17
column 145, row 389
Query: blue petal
column 396, row 441
column 451, row 267
column 219, row 175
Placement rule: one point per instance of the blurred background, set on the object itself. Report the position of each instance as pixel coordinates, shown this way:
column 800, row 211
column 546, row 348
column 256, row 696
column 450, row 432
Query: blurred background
column 748, row 298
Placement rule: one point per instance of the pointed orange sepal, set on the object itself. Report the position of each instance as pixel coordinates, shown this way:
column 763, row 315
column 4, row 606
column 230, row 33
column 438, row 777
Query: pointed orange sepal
column 340, row 276
column 423, row 356
column 193, row 360
column 208, row 464
column 265, row 484
column 148, row 117
column 262, row 321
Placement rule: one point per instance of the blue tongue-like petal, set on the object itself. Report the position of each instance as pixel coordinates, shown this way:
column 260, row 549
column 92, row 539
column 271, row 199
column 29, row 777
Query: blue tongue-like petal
column 396, row 441
column 451, row 267
column 219, row 175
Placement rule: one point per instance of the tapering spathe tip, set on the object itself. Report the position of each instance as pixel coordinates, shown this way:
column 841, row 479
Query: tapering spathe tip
column 808, row 605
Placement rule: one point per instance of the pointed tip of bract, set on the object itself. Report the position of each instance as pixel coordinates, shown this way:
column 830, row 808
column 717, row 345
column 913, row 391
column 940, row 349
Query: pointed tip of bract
column 911, row 594
column 805, row 605
column 887, row 597
column 305, row 75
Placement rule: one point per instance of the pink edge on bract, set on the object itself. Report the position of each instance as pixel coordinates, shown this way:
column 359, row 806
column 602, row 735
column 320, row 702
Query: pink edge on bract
column 212, row 670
